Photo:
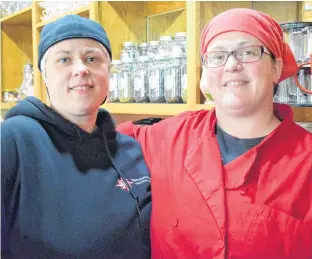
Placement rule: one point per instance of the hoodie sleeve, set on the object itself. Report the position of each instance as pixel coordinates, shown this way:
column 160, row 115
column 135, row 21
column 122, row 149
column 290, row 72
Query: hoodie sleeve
column 9, row 176
column 151, row 137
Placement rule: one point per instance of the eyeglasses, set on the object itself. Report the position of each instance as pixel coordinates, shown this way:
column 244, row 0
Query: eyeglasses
column 248, row 54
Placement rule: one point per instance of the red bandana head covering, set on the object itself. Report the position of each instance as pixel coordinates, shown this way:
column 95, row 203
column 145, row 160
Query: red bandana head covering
column 257, row 24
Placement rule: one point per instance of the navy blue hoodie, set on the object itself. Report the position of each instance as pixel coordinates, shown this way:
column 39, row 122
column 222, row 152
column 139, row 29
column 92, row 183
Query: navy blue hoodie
column 70, row 194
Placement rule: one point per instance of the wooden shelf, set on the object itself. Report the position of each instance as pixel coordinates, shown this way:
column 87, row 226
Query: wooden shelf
column 83, row 11
column 145, row 108
column 301, row 114
column 7, row 106
column 21, row 18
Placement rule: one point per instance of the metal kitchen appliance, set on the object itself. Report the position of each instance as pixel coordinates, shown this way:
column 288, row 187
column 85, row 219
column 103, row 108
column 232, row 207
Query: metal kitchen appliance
column 297, row 90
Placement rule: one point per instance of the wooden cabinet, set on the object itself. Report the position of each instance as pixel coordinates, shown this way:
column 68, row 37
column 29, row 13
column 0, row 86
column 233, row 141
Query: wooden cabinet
column 16, row 48
column 132, row 21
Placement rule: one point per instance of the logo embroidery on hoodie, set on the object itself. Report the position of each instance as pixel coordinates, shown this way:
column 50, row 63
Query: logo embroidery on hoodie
column 136, row 181
column 123, row 185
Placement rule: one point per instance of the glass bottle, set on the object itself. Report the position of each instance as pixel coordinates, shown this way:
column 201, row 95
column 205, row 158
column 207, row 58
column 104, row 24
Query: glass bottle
column 179, row 45
column 143, row 47
column 183, row 62
column 27, row 86
column 152, row 48
column 113, row 94
column 157, row 80
column 141, row 79
column 129, row 51
column 165, row 46
column 173, row 77
column 126, row 81
column 302, row 97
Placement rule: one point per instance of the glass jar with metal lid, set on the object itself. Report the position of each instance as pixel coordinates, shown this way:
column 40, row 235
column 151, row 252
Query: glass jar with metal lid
column 165, row 45
column 157, row 80
column 143, row 47
column 183, row 63
column 126, row 81
column 141, row 79
column 152, row 48
column 129, row 51
column 113, row 93
column 173, row 78
column 179, row 45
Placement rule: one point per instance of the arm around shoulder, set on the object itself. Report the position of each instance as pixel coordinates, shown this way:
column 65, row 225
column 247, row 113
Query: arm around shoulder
column 151, row 137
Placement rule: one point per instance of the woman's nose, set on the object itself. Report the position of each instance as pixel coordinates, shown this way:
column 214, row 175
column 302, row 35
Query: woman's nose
column 232, row 65
column 80, row 69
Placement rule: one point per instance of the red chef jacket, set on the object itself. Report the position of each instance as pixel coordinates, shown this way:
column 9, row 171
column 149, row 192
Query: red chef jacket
column 258, row 206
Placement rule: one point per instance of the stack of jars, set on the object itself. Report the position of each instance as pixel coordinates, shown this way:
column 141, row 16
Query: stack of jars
column 153, row 72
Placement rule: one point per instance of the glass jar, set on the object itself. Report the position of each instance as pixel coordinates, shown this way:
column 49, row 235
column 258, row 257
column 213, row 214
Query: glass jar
column 308, row 41
column 126, row 81
column 143, row 47
column 281, row 95
column 27, row 86
column 165, row 46
column 179, row 45
column 303, row 78
column 152, row 48
column 156, row 92
column 173, row 78
column 183, row 63
column 296, row 43
column 113, row 93
column 141, row 79
column 129, row 51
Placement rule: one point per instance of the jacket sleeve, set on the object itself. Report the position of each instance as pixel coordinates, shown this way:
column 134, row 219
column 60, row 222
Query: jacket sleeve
column 151, row 137
column 9, row 177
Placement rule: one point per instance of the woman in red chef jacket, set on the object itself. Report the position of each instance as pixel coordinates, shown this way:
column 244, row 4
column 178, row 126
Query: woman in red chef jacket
column 234, row 181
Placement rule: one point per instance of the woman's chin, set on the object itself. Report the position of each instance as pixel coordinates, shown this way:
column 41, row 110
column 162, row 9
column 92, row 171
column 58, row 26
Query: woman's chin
column 235, row 107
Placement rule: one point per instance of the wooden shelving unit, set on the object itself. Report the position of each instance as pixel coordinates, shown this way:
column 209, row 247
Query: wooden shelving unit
column 132, row 21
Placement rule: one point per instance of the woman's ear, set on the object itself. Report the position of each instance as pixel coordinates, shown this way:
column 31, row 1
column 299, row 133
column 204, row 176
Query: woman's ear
column 203, row 80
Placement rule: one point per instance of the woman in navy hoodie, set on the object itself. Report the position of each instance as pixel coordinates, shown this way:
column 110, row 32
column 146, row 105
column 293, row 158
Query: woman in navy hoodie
column 72, row 187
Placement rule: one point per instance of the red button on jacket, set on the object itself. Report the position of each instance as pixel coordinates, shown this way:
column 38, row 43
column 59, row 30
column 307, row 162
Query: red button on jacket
column 257, row 206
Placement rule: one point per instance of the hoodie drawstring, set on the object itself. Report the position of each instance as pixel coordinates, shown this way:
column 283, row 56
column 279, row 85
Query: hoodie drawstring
column 76, row 128
column 123, row 178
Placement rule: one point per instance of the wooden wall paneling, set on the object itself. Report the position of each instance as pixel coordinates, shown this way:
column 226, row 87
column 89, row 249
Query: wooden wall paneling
column 158, row 7
column 166, row 24
column 282, row 11
column 123, row 21
column 211, row 9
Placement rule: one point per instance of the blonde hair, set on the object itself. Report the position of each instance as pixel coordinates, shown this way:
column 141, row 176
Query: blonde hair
column 43, row 63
